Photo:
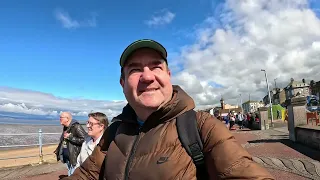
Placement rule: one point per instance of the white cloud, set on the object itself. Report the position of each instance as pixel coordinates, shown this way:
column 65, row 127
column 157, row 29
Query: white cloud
column 38, row 103
column 22, row 108
column 68, row 22
column 162, row 17
column 280, row 36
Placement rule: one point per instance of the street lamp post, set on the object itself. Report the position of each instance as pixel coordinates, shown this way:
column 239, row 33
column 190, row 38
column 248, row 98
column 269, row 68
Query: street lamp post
column 241, row 104
column 265, row 74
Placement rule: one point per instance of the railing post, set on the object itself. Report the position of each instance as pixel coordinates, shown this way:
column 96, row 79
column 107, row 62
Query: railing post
column 40, row 147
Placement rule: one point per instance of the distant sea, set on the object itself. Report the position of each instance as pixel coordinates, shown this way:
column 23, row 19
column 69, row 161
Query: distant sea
column 29, row 119
column 18, row 123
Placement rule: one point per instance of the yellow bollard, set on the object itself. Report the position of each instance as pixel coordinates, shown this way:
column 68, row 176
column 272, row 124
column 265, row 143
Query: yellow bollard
column 283, row 114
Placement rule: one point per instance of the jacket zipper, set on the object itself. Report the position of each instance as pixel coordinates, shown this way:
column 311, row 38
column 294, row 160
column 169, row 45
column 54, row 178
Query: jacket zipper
column 131, row 155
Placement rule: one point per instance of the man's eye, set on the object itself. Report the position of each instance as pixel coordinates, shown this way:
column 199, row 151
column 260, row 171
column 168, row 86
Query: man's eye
column 157, row 67
column 134, row 70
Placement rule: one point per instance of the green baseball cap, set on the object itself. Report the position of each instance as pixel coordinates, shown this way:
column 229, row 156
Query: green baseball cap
column 143, row 43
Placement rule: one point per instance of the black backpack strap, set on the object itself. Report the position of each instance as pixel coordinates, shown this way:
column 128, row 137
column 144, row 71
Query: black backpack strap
column 112, row 130
column 189, row 136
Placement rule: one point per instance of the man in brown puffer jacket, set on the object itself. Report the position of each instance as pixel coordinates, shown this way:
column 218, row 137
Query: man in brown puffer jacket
column 146, row 144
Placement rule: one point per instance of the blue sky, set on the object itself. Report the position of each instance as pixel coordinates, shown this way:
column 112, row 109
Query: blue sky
column 64, row 55
column 39, row 53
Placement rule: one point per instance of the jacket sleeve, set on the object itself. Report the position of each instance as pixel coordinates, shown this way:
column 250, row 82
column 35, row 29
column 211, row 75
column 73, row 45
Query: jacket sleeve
column 57, row 150
column 92, row 166
column 224, row 157
column 79, row 137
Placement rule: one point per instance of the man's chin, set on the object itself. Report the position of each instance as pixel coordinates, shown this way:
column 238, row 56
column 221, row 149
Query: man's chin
column 150, row 105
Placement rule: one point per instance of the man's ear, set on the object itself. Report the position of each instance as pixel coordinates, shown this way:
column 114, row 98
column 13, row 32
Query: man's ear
column 103, row 127
column 168, row 70
column 122, row 82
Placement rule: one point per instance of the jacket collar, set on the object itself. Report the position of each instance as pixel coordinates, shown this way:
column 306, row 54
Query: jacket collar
column 179, row 103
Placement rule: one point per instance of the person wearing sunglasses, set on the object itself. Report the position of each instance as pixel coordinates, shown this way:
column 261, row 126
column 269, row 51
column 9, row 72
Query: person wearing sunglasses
column 96, row 124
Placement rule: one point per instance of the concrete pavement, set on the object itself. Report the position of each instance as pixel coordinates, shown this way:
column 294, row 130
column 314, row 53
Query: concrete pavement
column 51, row 176
column 44, row 171
column 283, row 158
column 270, row 148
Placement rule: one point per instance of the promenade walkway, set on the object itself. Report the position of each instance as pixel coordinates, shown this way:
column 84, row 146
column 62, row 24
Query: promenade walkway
column 271, row 148
column 283, row 158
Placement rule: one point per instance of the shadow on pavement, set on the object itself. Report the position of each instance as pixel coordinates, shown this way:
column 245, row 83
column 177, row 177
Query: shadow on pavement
column 279, row 135
column 62, row 176
column 307, row 151
column 246, row 129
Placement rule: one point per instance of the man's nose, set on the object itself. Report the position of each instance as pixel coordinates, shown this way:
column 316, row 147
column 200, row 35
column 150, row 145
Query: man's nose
column 147, row 75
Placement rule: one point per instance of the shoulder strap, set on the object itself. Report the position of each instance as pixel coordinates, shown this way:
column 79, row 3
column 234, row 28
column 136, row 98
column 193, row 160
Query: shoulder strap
column 189, row 136
column 112, row 130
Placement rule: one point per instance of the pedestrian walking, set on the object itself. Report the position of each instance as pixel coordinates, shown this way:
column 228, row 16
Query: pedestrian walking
column 232, row 122
column 240, row 119
column 278, row 114
column 71, row 141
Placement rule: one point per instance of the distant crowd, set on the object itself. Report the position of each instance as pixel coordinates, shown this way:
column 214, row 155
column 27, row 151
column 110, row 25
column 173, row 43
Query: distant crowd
column 243, row 120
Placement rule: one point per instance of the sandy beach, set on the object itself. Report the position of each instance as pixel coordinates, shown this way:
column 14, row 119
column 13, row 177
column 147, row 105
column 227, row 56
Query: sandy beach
column 49, row 156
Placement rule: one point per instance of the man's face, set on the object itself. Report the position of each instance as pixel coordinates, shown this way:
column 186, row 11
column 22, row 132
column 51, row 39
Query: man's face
column 146, row 80
column 94, row 127
column 64, row 119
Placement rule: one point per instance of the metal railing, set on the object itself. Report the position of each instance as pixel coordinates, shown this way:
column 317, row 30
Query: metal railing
column 40, row 144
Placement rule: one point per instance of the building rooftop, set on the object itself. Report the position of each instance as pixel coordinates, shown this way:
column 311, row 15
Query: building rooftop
column 251, row 102
column 295, row 84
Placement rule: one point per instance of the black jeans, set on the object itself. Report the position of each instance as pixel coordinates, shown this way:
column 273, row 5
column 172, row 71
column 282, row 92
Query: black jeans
column 241, row 124
column 231, row 124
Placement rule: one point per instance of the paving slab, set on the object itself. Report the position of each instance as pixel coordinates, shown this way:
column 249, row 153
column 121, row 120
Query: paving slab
column 49, row 176
column 273, row 150
column 270, row 148
column 26, row 171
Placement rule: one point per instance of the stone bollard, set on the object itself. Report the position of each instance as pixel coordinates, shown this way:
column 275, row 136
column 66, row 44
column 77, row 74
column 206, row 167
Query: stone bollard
column 296, row 115
column 264, row 120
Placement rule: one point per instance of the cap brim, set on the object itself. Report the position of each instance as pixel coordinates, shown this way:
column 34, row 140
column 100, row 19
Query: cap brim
column 144, row 43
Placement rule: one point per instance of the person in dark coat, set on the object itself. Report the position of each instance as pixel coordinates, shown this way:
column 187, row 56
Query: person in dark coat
column 71, row 141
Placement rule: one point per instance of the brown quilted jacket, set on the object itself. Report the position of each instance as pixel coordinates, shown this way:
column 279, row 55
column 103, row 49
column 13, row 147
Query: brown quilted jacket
column 135, row 153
